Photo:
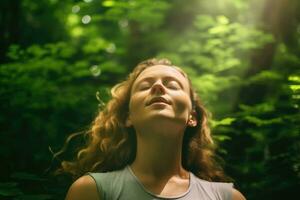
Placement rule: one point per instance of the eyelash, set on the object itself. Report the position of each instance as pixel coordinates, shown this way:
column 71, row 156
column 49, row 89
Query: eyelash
column 171, row 87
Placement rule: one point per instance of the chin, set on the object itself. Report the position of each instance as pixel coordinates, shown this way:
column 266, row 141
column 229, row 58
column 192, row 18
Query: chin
column 167, row 121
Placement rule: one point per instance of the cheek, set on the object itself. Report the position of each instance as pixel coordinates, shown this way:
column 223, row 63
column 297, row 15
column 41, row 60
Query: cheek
column 135, row 104
column 183, row 103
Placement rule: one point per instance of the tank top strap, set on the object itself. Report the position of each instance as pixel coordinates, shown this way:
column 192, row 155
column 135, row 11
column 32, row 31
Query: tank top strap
column 109, row 184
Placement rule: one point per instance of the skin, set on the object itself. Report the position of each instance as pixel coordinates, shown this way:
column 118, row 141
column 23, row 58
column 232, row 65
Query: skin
column 159, row 128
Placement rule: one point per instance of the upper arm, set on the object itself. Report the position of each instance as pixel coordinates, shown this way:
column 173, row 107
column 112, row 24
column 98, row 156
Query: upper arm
column 237, row 195
column 83, row 188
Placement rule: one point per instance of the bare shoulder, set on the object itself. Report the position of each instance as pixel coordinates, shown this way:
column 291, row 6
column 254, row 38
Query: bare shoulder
column 237, row 195
column 83, row 188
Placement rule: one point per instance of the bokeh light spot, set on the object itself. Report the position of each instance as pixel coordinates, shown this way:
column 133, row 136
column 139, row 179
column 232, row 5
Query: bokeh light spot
column 75, row 9
column 95, row 70
column 86, row 19
column 123, row 23
column 111, row 48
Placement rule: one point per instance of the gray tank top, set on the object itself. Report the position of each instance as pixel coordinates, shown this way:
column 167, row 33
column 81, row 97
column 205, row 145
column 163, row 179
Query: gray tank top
column 124, row 185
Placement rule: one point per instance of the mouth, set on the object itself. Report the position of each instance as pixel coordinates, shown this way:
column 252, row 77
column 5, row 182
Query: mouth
column 158, row 100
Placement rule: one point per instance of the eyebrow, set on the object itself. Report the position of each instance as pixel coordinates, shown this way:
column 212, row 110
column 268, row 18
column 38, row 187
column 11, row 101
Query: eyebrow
column 165, row 77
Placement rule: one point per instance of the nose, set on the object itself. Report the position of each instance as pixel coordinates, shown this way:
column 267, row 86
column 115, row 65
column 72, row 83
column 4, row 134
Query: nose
column 158, row 88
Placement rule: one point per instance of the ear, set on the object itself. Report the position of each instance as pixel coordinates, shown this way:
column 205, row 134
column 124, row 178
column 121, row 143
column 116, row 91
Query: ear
column 192, row 121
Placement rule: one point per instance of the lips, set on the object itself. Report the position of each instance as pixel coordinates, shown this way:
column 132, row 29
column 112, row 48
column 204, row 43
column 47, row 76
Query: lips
column 158, row 100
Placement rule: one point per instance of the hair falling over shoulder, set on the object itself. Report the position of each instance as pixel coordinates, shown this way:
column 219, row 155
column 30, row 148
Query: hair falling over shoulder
column 111, row 145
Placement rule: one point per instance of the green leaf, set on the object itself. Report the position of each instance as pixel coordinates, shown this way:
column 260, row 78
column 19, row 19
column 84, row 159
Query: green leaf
column 222, row 138
column 14, row 52
column 108, row 3
column 95, row 45
column 263, row 122
column 223, row 20
column 221, row 29
column 294, row 78
column 223, row 122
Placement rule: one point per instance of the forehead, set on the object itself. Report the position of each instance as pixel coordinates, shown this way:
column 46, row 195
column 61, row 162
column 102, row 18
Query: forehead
column 161, row 71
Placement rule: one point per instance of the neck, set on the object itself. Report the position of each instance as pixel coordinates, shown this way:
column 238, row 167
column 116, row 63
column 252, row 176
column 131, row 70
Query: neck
column 159, row 155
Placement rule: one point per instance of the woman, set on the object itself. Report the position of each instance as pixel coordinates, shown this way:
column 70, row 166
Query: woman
column 151, row 141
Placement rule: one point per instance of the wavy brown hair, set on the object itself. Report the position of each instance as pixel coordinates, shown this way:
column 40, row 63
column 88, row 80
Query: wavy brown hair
column 111, row 145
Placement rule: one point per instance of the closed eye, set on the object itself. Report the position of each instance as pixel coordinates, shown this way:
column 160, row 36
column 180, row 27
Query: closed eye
column 144, row 86
column 173, row 85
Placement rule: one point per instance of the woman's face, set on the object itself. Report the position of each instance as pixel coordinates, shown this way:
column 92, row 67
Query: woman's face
column 160, row 95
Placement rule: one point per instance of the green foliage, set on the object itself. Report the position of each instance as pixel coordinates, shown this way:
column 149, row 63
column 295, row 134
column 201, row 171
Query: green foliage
column 218, row 51
column 70, row 53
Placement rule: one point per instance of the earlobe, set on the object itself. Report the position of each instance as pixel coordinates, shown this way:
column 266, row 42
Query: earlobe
column 192, row 123
column 192, row 120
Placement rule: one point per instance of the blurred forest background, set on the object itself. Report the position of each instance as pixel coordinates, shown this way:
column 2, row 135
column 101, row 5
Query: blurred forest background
column 59, row 59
